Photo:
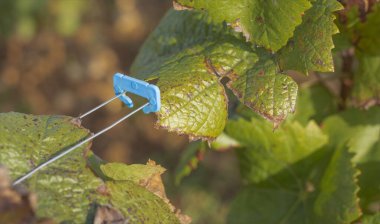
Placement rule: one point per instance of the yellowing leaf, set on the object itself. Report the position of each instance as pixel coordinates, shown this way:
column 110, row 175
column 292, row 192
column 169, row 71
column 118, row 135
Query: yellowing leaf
column 265, row 90
column 189, row 55
column 310, row 47
column 149, row 177
column 134, row 172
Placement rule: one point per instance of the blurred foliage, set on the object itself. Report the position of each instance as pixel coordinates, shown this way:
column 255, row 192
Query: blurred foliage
column 25, row 17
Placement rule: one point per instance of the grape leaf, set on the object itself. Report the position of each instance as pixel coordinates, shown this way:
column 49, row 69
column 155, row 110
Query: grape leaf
column 176, row 32
column 67, row 190
column 193, row 100
column 143, row 206
column 360, row 130
column 310, row 47
column 263, row 152
column 224, row 142
column 294, row 172
column 133, row 172
column 371, row 219
column 314, row 103
column 265, row 90
column 331, row 199
column 138, row 204
column 266, row 23
column 188, row 55
column 366, row 89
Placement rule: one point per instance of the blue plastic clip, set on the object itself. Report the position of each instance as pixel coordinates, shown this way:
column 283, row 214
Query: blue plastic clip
column 126, row 84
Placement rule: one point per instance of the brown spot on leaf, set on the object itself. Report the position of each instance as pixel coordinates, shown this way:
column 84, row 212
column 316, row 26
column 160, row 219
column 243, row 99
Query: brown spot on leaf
column 180, row 7
column 107, row 214
column 236, row 25
column 200, row 155
column 210, row 67
column 319, row 62
column 309, row 187
column 103, row 190
column 259, row 20
column 261, row 73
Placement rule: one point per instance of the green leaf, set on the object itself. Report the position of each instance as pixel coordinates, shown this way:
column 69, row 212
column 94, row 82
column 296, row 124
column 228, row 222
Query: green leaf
column 193, row 100
column 137, row 190
column 369, row 183
column 188, row 56
column 266, row 23
column 331, row 199
column 294, row 173
column 133, row 172
column 265, row 152
column 337, row 200
column 366, row 89
column 67, row 190
column 176, row 32
column 360, row 130
column 265, row 90
column 139, row 205
column 314, row 103
column 371, row 219
column 224, row 142
column 310, row 47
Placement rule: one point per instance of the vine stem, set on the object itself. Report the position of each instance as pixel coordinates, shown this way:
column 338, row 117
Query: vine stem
column 346, row 78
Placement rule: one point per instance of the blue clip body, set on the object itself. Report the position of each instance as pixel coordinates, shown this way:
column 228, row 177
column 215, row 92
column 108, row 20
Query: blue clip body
column 123, row 83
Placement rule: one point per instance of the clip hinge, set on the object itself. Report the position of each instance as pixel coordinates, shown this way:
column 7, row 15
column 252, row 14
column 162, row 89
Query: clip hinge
column 126, row 84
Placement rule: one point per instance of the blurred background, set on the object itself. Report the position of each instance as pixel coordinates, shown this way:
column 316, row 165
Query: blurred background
column 59, row 57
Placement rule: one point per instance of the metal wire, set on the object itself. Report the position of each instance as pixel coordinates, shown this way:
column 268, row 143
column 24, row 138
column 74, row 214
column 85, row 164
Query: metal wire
column 51, row 160
column 100, row 106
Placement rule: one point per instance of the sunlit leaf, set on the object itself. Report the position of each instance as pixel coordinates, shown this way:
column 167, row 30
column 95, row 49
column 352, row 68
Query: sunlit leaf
column 310, row 48
column 188, row 55
column 266, row 23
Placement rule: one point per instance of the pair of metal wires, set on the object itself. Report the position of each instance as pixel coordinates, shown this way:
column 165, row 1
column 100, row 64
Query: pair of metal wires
column 80, row 143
